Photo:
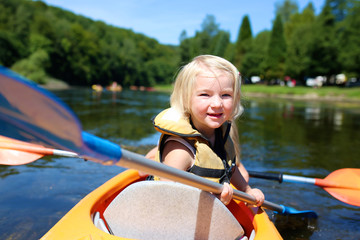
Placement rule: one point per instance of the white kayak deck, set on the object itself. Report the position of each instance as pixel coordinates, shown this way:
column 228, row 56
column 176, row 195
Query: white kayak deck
column 167, row 210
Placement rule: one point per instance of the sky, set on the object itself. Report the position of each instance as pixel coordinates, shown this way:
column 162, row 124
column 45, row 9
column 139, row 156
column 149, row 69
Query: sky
column 164, row 20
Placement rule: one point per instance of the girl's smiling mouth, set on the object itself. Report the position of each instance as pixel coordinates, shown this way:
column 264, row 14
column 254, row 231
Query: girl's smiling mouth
column 217, row 115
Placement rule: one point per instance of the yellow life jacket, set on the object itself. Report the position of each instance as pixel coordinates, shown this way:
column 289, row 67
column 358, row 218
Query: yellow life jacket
column 217, row 163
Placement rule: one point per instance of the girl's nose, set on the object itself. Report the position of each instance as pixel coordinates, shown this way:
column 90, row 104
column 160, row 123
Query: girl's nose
column 216, row 101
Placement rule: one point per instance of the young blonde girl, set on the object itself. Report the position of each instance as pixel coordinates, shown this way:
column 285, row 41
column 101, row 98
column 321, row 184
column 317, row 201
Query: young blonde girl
column 199, row 132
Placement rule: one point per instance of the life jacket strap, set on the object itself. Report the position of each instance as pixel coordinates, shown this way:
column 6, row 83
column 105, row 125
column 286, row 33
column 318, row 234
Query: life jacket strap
column 224, row 175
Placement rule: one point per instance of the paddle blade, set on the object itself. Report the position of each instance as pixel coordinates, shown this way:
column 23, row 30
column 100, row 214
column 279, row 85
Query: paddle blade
column 15, row 157
column 11, row 155
column 347, row 185
column 15, row 152
column 32, row 114
column 348, row 196
column 343, row 178
column 293, row 211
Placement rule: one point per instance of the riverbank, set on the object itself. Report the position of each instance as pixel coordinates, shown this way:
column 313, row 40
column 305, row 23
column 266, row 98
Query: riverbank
column 55, row 84
column 336, row 94
column 296, row 93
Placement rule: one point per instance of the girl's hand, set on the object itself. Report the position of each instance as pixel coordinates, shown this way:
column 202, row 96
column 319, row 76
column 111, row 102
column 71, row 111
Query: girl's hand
column 226, row 194
column 257, row 194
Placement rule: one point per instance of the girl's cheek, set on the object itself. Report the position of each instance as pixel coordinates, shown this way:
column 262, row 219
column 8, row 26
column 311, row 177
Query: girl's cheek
column 229, row 103
column 201, row 102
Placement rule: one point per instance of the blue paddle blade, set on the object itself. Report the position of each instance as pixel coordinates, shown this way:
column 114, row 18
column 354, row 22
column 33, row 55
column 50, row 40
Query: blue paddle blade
column 32, row 114
column 292, row 211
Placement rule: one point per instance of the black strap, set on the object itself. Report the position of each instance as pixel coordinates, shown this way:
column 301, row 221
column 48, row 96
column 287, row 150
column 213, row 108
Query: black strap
column 207, row 172
column 224, row 175
column 149, row 178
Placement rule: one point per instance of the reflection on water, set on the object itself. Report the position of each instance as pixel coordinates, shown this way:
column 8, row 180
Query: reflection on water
column 300, row 138
column 294, row 226
column 305, row 139
column 300, row 134
column 122, row 117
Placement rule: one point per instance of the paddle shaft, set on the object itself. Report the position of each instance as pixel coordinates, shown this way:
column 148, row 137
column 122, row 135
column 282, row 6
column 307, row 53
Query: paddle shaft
column 280, row 177
column 136, row 161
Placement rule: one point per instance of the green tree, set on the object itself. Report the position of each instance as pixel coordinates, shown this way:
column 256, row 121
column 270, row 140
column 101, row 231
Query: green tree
column 286, row 8
column 204, row 41
column 41, row 25
column 254, row 63
column 77, row 56
column 300, row 33
column 33, row 66
column 323, row 51
column 37, row 42
column 22, row 21
column 229, row 53
column 340, row 8
column 298, row 59
column 131, row 60
column 243, row 42
column 10, row 48
column 275, row 63
column 7, row 8
column 349, row 43
column 110, row 66
column 206, row 37
column 185, row 47
column 221, row 42
column 306, row 17
column 209, row 26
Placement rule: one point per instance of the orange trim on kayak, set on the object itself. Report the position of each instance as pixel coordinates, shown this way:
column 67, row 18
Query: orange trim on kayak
column 78, row 222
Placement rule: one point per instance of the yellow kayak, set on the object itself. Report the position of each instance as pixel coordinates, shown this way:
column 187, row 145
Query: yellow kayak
column 128, row 207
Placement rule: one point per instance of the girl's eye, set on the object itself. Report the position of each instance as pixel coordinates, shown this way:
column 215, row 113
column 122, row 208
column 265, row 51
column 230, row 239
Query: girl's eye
column 226, row 95
column 204, row 94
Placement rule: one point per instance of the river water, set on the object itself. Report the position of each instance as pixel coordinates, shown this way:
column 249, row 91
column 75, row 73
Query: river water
column 301, row 138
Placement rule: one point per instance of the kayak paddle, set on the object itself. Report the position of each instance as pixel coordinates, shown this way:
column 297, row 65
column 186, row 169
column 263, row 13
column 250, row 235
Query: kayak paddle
column 15, row 152
column 30, row 113
column 342, row 184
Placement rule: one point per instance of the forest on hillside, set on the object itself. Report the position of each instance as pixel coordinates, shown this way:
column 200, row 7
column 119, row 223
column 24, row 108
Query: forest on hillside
column 43, row 42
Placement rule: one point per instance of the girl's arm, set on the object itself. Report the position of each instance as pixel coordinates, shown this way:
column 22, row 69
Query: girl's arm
column 177, row 155
column 239, row 182
column 152, row 153
column 243, row 172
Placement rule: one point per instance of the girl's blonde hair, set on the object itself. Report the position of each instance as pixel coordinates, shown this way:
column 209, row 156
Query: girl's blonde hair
column 185, row 83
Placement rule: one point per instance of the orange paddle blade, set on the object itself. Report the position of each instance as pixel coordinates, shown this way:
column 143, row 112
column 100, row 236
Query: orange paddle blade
column 348, row 196
column 348, row 178
column 343, row 184
column 15, row 152
column 15, row 157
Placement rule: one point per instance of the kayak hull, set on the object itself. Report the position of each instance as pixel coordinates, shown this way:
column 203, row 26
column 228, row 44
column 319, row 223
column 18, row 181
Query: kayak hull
column 78, row 222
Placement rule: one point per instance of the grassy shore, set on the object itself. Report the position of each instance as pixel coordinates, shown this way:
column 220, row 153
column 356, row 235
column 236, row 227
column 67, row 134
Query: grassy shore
column 299, row 92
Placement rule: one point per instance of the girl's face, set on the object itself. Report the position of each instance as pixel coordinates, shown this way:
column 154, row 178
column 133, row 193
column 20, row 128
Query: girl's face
column 212, row 101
